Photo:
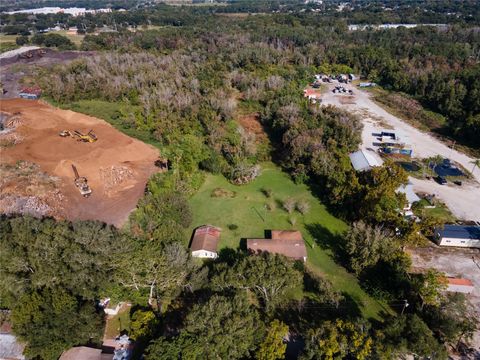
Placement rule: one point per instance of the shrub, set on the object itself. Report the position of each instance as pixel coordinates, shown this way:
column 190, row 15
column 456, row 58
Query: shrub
column 303, row 207
column 289, row 205
column 232, row 226
column 270, row 206
column 267, row 192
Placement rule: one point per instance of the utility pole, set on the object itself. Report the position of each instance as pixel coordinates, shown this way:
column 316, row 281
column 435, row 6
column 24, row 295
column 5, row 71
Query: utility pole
column 451, row 149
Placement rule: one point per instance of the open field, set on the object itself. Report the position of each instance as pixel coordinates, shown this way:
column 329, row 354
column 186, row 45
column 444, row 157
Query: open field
column 117, row 166
column 462, row 200
column 7, row 42
column 242, row 213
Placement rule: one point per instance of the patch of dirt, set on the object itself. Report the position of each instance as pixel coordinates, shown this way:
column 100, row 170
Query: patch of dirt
column 117, row 167
column 223, row 193
column 347, row 100
column 26, row 189
column 251, row 124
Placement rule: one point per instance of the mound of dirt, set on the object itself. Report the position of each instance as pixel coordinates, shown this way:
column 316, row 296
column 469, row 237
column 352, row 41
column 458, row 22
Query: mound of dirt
column 251, row 124
column 117, row 167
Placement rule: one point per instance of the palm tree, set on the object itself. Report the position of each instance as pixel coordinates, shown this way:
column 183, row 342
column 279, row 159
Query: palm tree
column 476, row 163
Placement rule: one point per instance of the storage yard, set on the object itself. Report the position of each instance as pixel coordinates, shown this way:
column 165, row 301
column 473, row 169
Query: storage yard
column 462, row 200
column 116, row 166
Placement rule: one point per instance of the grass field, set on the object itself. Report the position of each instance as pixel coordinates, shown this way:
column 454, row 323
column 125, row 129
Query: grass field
column 7, row 42
column 74, row 37
column 245, row 207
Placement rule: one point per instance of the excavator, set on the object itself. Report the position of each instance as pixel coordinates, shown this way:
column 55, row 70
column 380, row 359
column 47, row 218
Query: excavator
column 81, row 183
column 89, row 137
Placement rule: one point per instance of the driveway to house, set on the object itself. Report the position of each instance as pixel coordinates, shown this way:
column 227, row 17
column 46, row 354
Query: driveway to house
column 463, row 201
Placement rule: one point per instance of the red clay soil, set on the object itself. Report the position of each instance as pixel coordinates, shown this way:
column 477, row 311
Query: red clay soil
column 251, row 124
column 41, row 144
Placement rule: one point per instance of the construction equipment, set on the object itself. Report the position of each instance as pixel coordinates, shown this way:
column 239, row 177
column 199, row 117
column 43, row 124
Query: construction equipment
column 65, row 133
column 81, row 183
column 89, row 137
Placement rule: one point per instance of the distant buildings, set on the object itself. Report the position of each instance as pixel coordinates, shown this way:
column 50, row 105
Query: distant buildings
column 283, row 242
column 458, row 235
column 205, row 241
column 364, row 160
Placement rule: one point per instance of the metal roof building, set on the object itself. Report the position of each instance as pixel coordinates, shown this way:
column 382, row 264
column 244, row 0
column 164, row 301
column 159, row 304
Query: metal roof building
column 364, row 160
column 458, row 235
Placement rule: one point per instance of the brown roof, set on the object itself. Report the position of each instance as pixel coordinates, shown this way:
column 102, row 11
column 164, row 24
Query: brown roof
column 456, row 281
column 81, row 353
column 287, row 243
column 205, row 238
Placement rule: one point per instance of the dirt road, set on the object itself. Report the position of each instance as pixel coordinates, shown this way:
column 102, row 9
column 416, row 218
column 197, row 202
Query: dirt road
column 117, row 166
column 463, row 201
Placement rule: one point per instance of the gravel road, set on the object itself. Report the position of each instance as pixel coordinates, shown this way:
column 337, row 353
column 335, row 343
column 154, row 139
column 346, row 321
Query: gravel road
column 15, row 52
column 463, row 201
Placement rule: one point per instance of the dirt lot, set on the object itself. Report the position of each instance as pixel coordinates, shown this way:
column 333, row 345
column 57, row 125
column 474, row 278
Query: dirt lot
column 464, row 263
column 463, row 201
column 117, row 166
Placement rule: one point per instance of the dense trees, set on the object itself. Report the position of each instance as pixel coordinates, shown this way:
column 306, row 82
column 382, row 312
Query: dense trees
column 37, row 254
column 70, row 321
column 269, row 277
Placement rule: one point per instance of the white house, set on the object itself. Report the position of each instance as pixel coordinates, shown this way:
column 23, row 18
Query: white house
column 463, row 286
column 458, row 235
column 364, row 160
column 411, row 198
column 205, row 241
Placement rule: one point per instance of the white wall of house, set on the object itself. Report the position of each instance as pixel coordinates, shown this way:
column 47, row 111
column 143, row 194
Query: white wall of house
column 472, row 243
column 204, row 254
column 464, row 289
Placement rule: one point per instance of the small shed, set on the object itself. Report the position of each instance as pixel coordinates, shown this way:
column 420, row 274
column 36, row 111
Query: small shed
column 284, row 242
column 460, row 285
column 458, row 235
column 364, row 160
column 31, row 93
column 205, row 241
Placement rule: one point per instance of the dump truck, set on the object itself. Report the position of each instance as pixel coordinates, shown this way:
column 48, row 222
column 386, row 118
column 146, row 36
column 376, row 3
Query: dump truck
column 81, row 183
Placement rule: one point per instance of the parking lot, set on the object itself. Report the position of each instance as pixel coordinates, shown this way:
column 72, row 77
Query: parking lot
column 463, row 200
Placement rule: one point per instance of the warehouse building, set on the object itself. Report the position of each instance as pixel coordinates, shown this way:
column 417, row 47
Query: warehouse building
column 458, row 235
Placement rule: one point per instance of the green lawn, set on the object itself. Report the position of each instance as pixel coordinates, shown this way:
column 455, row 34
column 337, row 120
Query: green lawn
column 247, row 210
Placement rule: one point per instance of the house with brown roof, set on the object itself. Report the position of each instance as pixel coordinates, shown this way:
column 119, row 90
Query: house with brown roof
column 459, row 285
column 205, row 241
column 284, row 242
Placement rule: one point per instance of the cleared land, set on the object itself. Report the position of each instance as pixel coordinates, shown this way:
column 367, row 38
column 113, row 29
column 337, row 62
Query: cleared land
column 241, row 212
column 462, row 201
column 15, row 70
column 117, row 166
